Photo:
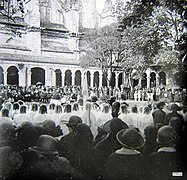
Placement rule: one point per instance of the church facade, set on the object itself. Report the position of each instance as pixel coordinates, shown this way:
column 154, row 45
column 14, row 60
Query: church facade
column 43, row 45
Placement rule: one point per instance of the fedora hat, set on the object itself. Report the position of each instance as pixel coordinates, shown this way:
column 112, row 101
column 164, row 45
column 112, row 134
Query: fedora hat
column 160, row 104
column 115, row 124
column 130, row 138
column 73, row 120
column 46, row 145
column 175, row 107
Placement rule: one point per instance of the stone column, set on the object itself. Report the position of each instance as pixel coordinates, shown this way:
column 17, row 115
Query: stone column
column 63, row 78
column 73, row 78
column 22, row 77
column 29, row 73
column 157, row 80
column 116, row 78
column 100, row 79
column 47, row 77
column 5, row 76
column 148, row 80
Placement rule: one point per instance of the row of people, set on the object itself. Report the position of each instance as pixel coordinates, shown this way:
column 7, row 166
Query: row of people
column 117, row 152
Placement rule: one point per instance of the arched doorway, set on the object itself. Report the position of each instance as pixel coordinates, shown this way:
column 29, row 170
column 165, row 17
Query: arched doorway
column 38, row 75
column 78, row 78
column 96, row 79
column 162, row 80
column 104, row 79
column 113, row 79
column 12, row 76
column 120, row 79
column 153, row 80
column 58, row 74
column 68, row 78
column 144, row 81
column 1, row 75
column 88, row 78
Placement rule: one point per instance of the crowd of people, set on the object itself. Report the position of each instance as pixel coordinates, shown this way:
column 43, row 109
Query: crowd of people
column 59, row 135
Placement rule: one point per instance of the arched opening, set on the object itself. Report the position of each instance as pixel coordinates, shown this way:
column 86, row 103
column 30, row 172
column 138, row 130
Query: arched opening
column 104, row 79
column 162, row 79
column 78, row 78
column 1, row 75
column 68, row 78
column 120, row 79
column 96, row 79
column 153, row 80
column 12, row 76
column 113, row 79
column 88, row 78
column 58, row 74
column 180, row 79
column 134, row 82
column 144, row 81
column 38, row 75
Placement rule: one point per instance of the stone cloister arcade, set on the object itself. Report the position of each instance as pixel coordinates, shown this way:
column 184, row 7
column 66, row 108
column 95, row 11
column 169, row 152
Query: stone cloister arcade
column 26, row 75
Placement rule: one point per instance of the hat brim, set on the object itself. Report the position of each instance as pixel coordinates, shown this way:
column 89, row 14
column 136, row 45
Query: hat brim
column 136, row 145
column 42, row 150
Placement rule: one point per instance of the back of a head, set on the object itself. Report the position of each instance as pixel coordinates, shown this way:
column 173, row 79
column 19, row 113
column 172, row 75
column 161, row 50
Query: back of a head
column 5, row 112
column 134, row 109
column 83, row 133
column 16, row 106
column 146, row 110
column 167, row 136
column 49, row 125
column 8, row 105
column 52, row 106
column 88, row 106
column 58, row 109
column 34, row 107
column 150, row 132
column 23, row 109
column 67, row 108
column 123, row 108
column 106, row 108
column 43, row 109
column 74, row 121
column 117, row 125
column 75, row 107
column 7, row 132
column 176, row 123
column 80, row 102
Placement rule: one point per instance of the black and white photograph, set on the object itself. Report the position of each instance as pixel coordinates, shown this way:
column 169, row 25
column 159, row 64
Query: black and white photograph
column 93, row 89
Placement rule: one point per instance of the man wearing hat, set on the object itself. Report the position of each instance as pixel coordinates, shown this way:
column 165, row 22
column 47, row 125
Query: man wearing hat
column 127, row 162
column 109, row 144
column 166, row 161
column 159, row 116
column 174, row 113
column 66, row 141
column 49, row 165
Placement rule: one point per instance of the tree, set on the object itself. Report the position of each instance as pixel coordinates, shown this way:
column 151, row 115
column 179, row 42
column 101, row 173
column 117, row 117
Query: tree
column 102, row 50
column 13, row 9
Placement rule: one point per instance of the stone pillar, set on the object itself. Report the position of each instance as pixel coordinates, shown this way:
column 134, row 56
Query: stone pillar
column 82, row 78
column 5, row 76
column 73, row 78
column 157, row 80
column 28, row 77
column 63, row 78
column 100, row 79
column 22, row 77
column 47, row 77
column 148, row 80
